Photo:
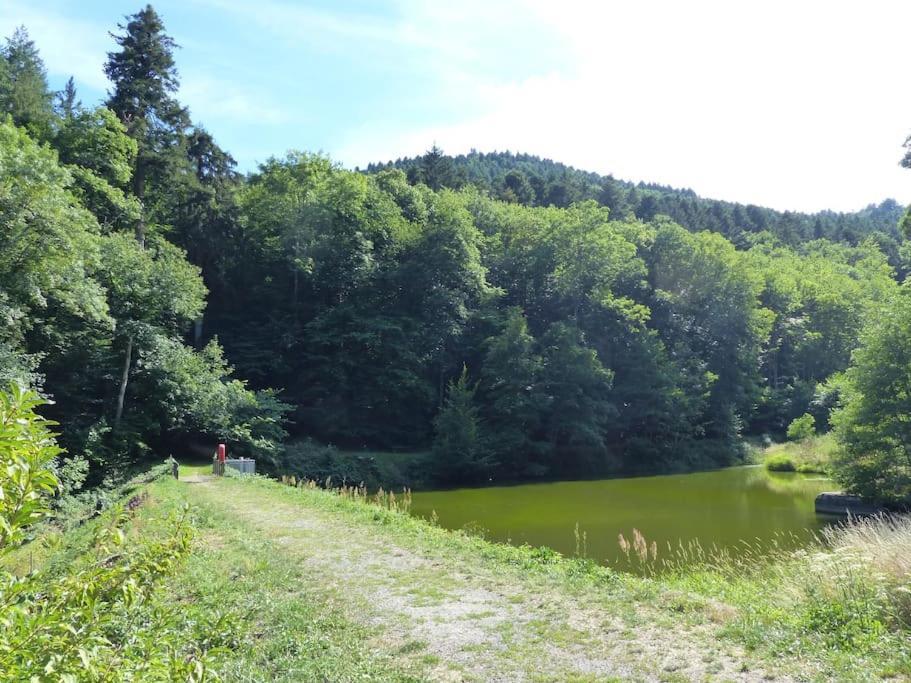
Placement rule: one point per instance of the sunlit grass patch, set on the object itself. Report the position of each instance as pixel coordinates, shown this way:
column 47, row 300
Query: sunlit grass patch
column 810, row 455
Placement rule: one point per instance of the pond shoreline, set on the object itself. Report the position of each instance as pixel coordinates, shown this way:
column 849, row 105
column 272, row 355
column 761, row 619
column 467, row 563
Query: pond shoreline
column 836, row 503
column 735, row 510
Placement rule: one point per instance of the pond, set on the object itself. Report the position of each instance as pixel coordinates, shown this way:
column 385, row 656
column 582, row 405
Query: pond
column 721, row 508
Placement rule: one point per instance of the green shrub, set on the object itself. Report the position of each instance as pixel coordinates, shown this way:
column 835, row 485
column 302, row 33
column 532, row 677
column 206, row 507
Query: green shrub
column 871, row 423
column 780, row 463
column 802, row 428
column 811, row 455
column 98, row 621
column 96, row 617
column 321, row 463
column 27, row 453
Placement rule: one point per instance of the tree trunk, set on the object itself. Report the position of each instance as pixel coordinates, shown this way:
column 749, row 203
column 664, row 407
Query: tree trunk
column 197, row 332
column 123, row 382
column 139, row 188
column 295, row 294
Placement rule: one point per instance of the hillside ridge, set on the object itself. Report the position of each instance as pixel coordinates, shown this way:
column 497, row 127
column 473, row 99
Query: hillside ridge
column 536, row 181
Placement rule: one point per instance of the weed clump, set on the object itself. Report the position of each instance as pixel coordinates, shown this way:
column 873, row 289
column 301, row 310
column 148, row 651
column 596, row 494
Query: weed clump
column 810, row 455
column 780, row 463
column 849, row 592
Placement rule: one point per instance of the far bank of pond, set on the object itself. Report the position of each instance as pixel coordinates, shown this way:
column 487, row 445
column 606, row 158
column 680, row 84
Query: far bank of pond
column 723, row 508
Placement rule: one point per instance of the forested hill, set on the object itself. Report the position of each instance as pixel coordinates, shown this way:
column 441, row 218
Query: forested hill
column 533, row 181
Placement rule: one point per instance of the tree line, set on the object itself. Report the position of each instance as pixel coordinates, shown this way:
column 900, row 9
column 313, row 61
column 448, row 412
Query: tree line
column 160, row 297
column 533, row 181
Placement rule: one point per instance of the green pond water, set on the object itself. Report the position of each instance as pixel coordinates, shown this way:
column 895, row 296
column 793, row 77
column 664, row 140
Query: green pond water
column 721, row 508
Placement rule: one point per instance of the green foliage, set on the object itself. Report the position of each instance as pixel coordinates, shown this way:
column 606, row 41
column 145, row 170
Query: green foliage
column 871, row 423
column 95, row 610
column 67, row 101
column 27, row 452
column 153, row 285
column 555, row 184
column 577, row 387
column 24, row 93
column 458, row 447
column 79, row 623
column 516, row 188
column 310, row 461
column 780, row 463
column 613, row 326
column 513, row 398
column 700, row 340
column 821, row 296
column 71, row 475
column 802, row 428
column 706, row 306
column 96, row 140
column 812, row 454
column 48, row 248
column 79, row 306
column 145, row 78
column 97, row 622
column 435, row 170
column 198, row 396
column 100, row 155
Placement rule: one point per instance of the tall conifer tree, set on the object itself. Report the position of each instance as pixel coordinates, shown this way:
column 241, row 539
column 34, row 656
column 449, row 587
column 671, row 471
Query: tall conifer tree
column 145, row 79
column 23, row 85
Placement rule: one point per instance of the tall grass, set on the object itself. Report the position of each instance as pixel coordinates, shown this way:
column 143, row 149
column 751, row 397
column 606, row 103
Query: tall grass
column 849, row 590
column 381, row 498
column 868, row 559
column 809, row 455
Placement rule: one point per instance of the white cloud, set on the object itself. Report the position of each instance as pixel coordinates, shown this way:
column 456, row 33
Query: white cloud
column 211, row 99
column 796, row 107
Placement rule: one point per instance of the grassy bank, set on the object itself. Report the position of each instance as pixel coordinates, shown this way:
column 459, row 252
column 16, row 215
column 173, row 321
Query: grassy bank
column 808, row 455
column 290, row 584
column 844, row 604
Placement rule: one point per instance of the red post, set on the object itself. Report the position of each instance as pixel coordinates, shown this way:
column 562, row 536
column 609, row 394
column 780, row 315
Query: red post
column 221, row 452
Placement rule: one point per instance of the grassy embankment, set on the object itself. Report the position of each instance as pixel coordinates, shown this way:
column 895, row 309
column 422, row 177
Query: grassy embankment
column 302, row 584
column 808, row 455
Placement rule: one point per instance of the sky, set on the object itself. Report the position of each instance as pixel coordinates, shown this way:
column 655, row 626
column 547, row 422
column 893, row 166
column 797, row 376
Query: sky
column 796, row 105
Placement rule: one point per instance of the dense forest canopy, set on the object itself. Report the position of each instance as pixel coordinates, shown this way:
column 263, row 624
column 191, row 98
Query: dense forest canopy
column 533, row 181
column 514, row 317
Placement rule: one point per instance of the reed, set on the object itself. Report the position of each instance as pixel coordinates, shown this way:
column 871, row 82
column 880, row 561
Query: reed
column 638, row 551
column 581, row 538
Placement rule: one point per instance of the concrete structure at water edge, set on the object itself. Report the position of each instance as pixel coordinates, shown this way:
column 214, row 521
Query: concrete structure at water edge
column 837, row 503
column 242, row 465
column 220, row 461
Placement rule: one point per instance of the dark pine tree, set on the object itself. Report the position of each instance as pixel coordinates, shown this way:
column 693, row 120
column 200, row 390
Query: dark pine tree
column 437, row 170
column 67, row 102
column 23, row 86
column 145, row 78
